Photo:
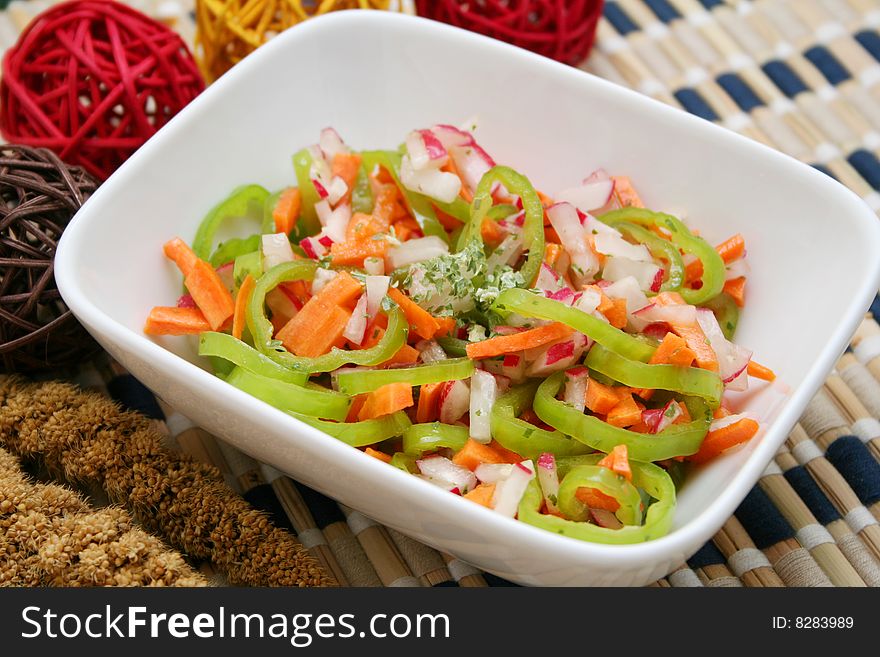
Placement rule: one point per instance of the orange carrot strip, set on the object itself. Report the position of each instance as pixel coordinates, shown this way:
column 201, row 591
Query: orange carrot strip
column 616, row 313
column 183, row 256
column 406, row 355
column 732, row 248
column 673, row 350
column 596, row 499
column 719, row 413
column 600, row 398
column 552, row 252
column 376, row 454
column 507, row 344
column 760, row 371
column 383, row 206
column 429, row 401
column 482, row 495
column 625, row 193
column 346, row 165
column 165, row 320
column 357, row 403
column 312, row 334
column 693, row 271
column 450, row 167
column 736, row 288
column 618, row 461
column 491, row 232
column 210, row 294
column 625, row 413
column 241, row 301
column 420, row 320
column 692, row 333
column 723, row 439
column 354, row 253
column 286, row 210
column 447, row 324
column 474, row 453
column 388, row 399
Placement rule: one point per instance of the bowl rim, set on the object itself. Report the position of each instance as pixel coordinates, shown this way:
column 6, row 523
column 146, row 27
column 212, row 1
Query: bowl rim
column 679, row 541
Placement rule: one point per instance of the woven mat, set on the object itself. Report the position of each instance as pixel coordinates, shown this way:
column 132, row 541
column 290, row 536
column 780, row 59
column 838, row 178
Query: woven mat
column 802, row 76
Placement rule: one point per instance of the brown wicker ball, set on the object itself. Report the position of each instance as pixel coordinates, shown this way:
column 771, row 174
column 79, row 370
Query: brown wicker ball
column 40, row 194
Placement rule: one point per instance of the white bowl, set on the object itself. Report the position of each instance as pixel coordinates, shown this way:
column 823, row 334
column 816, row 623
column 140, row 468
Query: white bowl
column 813, row 247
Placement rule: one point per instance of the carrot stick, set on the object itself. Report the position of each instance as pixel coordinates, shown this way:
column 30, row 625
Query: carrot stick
column 491, row 232
column 732, row 248
column 384, row 206
column 625, row 193
column 406, row 355
column 183, row 256
column 692, row 333
column 600, row 398
column 618, row 461
column 388, row 399
column 354, row 253
column 286, row 210
column 376, row 454
column 241, row 301
column 673, row 350
column 474, row 453
column 736, row 288
column 760, row 371
column 625, row 413
column 723, row 439
column 429, row 400
column 482, row 495
column 210, row 294
column 507, row 344
column 596, row 499
column 420, row 320
column 164, row 320
column 346, row 165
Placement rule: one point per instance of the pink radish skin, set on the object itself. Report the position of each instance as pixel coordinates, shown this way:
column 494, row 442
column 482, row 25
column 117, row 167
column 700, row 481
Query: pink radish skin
column 455, row 399
column 548, row 478
column 509, row 492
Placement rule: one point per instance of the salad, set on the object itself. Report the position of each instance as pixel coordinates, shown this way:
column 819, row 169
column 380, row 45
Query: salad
column 558, row 360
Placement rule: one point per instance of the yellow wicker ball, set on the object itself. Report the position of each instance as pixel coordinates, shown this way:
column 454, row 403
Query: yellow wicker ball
column 229, row 30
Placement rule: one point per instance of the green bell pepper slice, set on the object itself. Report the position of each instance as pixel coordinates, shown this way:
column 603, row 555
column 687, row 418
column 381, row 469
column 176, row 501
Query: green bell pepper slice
column 405, row 462
column 533, row 226
column 526, row 439
column 308, row 400
column 354, row 382
column 247, row 263
column 361, row 434
column 605, row 481
column 308, row 223
column 662, row 250
column 429, row 436
column 684, row 239
column 726, row 312
column 454, row 347
column 244, row 203
column 362, row 193
column 658, row 520
column 690, row 381
column 676, row 440
column 223, row 345
column 529, row 304
column 420, row 205
column 262, row 332
column 231, row 249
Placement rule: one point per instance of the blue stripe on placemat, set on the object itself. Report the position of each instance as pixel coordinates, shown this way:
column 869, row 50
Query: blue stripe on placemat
column 741, row 92
column 709, row 4
column 134, row 396
column 708, row 555
column 865, row 162
column 619, row 19
column 857, row 465
column 784, row 77
column 823, row 169
column 870, row 41
column 808, row 490
column 664, row 11
column 263, row 497
column 324, row 510
column 494, row 580
column 875, row 307
column 694, row 103
column 762, row 519
column 828, row 64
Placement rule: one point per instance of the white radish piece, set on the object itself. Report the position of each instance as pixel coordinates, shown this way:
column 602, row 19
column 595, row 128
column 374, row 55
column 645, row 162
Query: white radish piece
column 331, row 143
column 548, row 478
column 357, row 323
column 417, row 250
column 509, row 492
column 680, row 315
column 336, row 190
column 548, row 279
column 440, row 467
column 455, row 400
column 565, row 221
column 613, row 245
column 732, row 358
column 588, row 196
column 337, row 223
column 492, row 473
column 438, row 185
column 377, row 288
column 322, row 277
column 276, row 249
column 649, row 275
column 559, row 355
column 575, row 392
column 431, row 351
column 374, row 266
column 484, row 392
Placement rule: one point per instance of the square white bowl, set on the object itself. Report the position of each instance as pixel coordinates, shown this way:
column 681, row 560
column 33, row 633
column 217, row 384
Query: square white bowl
column 814, row 248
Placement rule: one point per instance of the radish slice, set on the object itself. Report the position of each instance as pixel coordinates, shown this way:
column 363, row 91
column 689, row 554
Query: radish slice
column 431, row 351
column 503, row 383
column 565, row 221
column 736, row 269
column 732, row 358
column 439, row 185
column 681, row 315
column 723, row 422
column 276, row 249
column 323, row 210
column 564, row 295
column 548, row 279
column 628, row 288
column 588, row 301
column 576, row 380
column 548, row 478
column 511, row 367
column 186, row 301
column 377, row 288
column 657, row 419
column 588, row 196
column 492, row 473
column 469, row 157
column 509, row 492
column 425, row 150
column 374, row 266
column 507, row 253
column 226, row 272
column 617, row 268
column 331, row 143
column 440, row 467
column 484, row 392
column 313, row 247
column 612, row 245
column 337, row 223
column 357, row 323
column 322, row 277
column 336, row 190
column 455, row 400
column 417, row 250
column 559, row 355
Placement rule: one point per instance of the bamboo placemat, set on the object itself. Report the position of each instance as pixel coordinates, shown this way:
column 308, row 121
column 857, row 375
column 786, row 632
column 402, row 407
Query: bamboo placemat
column 802, row 76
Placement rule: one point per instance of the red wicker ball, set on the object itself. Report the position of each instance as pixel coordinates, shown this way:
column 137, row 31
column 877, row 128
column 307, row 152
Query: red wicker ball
column 561, row 29
column 92, row 80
